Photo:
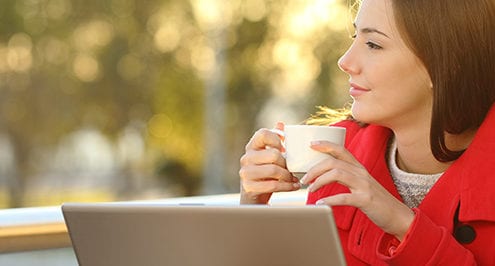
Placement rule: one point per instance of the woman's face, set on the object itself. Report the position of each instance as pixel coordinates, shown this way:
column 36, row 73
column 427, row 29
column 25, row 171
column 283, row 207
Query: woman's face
column 389, row 85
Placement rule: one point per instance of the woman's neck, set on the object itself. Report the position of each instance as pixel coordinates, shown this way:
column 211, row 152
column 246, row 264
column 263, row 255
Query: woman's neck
column 414, row 153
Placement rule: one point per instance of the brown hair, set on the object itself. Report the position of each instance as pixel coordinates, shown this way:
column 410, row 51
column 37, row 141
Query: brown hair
column 454, row 40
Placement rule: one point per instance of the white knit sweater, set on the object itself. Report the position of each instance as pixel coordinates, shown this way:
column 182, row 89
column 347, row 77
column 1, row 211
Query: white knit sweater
column 412, row 187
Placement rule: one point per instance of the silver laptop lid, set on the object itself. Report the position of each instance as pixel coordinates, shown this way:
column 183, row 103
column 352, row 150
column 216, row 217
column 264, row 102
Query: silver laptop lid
column 157, row 234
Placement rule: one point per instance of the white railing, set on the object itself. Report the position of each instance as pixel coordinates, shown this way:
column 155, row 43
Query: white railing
column 27, row 230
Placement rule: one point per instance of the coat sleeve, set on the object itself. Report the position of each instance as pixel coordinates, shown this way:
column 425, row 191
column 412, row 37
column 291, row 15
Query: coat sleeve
column 425, row 244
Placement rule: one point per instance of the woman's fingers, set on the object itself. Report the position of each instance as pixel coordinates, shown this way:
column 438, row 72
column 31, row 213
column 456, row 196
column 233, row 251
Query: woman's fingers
column 342, row 199
column 337, row 151
column 269, row 186
column 263, row 169
column 379, row 205
column 265, row 172
column 267, row 178
column 364, row 193
column 266, row 156
column 264, row 138
column 331, row 168
column 334, row 175
column 340, row 159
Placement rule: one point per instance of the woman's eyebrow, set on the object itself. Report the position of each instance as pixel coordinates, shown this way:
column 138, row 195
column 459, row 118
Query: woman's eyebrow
column 370, row 30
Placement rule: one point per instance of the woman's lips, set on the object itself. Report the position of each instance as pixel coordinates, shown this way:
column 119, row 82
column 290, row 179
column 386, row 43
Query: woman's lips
column 355, row 90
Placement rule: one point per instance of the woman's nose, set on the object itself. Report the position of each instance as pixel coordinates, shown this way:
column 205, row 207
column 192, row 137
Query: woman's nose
column 347, row 63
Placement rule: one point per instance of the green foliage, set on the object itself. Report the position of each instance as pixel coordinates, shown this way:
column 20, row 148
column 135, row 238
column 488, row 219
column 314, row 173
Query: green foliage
column 66, row 65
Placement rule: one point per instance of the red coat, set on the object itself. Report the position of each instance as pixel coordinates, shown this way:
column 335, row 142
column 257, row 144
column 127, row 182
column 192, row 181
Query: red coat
column 467, row 186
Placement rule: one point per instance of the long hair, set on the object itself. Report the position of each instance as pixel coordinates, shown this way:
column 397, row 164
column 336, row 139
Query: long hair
column 455, row 42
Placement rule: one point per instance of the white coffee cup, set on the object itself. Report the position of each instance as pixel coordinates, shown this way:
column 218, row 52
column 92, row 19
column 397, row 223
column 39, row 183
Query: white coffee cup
column 300, row 157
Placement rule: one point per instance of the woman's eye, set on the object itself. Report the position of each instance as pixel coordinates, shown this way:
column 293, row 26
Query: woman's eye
column 373, row 46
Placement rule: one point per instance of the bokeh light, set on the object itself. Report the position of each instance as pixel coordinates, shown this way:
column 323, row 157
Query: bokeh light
column 99, row 95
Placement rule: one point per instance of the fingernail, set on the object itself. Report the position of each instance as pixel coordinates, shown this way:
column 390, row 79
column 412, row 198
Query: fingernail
column 303, row 179
column 296, row 185
column 315, row 142
column 278, row 132
column 320, row 202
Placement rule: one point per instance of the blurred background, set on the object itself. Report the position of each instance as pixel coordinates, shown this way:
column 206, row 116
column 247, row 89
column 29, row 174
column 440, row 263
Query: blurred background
column 142, row 99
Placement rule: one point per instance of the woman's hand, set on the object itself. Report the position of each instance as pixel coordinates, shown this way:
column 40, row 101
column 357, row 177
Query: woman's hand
column 263, row 170
column 366, row 193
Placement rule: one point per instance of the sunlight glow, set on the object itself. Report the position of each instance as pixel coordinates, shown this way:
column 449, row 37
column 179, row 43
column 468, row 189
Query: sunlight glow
column 304, row 24
column 167, row 27
column 167, row 37
column 19, row 57
column 203, row 59
column 86, row 68
column 94, row 34
column 306, row 19
column 160, row 76
column 213, row 14
column 58, row 9
column 254, row 10
column 54, row 51
column 4, row 66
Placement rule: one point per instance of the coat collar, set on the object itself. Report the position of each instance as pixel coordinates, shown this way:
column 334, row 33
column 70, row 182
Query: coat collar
column 476, row 170
column 469, row 181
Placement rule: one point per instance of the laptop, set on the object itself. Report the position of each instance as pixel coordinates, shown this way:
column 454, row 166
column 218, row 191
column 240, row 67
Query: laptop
column 149, row 234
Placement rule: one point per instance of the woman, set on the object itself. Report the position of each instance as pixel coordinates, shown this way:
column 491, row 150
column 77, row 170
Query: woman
column 414, row 183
